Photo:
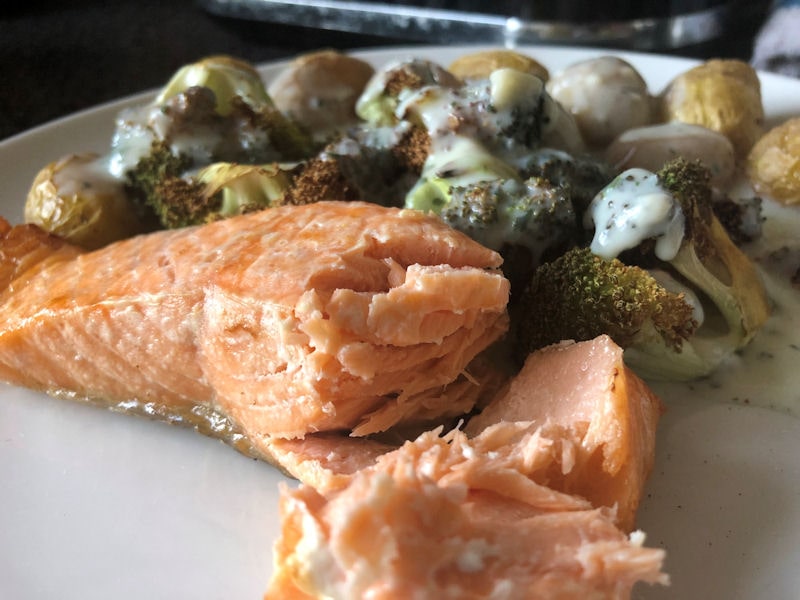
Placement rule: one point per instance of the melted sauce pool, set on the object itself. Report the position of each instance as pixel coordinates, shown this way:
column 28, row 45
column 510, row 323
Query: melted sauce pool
column 766, row 372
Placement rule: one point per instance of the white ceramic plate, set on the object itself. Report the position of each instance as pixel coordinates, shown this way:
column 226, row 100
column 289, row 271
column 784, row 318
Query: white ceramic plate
column 100, row 505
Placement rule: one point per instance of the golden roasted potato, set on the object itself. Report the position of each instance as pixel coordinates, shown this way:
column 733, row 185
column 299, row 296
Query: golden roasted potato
column 76, row 199
column 480, row 65
column 773, row 164
column 319, row 90
column 722, row 95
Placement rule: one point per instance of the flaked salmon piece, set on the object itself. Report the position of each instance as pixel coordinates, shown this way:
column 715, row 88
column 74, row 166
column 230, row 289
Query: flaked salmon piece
column 453, row 517
column 287, row 321
column 327, row 461
column 324, row 461
column 606, row 414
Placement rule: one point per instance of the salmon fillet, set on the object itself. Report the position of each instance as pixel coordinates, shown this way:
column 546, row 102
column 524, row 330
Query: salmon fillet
column 535, row 499
column 606, row 414
column 303, row 326
column 600, row 417
column 453, row 517
column 327, row 461
column 330, row 316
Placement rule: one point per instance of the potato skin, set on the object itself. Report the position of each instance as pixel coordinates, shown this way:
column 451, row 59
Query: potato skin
column 773, row 164
column 606, row 95
column 723, row 95
column 320, row 89
column 653, row 146
column 74, row 200
column 479, row 65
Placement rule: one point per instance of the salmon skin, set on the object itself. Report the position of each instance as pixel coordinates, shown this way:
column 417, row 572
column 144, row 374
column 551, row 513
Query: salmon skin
column 299, row 319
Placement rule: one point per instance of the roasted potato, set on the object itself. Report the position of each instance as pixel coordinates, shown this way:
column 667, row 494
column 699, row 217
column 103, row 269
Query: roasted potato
column 606, row 95
column 653, row 146
column 773, row 164
column 479, row 65
column 76, row 199
column 723, row 95
column 319, row 90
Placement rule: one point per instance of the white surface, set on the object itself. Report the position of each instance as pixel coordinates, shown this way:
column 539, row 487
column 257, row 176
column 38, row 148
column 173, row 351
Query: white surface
column 100, row 505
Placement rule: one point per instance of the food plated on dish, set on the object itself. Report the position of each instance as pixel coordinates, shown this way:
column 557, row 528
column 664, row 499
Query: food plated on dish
column 495, row 156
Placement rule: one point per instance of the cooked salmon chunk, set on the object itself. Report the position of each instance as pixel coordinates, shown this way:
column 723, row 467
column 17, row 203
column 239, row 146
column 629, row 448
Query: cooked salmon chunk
column 606, row 415
column 330, row 316
column 452, row 517
column 536, row 499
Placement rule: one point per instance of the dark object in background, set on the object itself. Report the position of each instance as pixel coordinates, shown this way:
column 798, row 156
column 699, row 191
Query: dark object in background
column 60, row 57
column 645, row 25
column 777, row 47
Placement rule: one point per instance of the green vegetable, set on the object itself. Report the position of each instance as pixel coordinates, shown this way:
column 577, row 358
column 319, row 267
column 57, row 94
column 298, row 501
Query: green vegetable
column 482, row 196
column 151, row 171
column 713, row 301
column 242, row 100
column 579, row 296
column 532, row 214
column 713, row 265
column 219, row 191
column 377, row 165
column 584, row 175
column 466, row 163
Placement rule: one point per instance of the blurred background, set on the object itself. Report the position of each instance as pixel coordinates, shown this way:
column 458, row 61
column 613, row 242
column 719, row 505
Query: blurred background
column 60, row 57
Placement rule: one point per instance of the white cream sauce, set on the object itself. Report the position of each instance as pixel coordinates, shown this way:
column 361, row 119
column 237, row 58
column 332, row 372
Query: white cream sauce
column 633, row 208
column 466, row 130
column 131, row 142
column 456, row 154
column 766, row 372
column 85, row 174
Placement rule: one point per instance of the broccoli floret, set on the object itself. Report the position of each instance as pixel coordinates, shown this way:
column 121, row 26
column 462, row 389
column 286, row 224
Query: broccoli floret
column 151, row 170
column 659, row 222
column 219, row 191
column 710, row 261
column 526, row 221
column 527, row 116
column 579, row 296
column 462, row 163
column 585, row 175
column 321, row 178
column 378, row 165
column 533, row 214
column 412, row 150
column 510, row 114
